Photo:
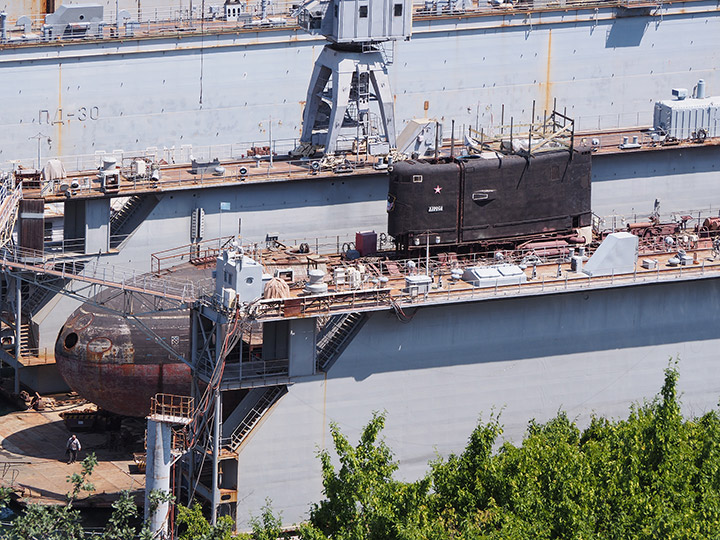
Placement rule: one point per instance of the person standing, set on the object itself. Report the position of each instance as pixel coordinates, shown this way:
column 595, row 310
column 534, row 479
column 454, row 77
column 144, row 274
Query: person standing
column 73, row 447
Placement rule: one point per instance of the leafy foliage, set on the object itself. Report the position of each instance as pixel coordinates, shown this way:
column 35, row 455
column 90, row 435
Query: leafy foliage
column 5, row 493
column 268, row 526
column 60, row 522
column 196, row 527
column 653, row 475
column 363, row 501
column 57, row 522
column 121, row 523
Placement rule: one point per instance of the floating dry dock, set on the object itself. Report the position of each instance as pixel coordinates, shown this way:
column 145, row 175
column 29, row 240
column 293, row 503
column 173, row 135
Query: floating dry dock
column 382, row 343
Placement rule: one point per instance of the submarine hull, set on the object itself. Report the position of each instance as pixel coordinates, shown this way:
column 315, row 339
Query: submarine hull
column 111, row 362
column 491, row 197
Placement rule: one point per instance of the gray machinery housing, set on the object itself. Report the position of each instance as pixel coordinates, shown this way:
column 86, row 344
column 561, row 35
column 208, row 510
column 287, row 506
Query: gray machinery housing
column 349, row 96
column 74, row 19
column 618, row 254
column 357, row 21
column 688, row 117
column 237, row 278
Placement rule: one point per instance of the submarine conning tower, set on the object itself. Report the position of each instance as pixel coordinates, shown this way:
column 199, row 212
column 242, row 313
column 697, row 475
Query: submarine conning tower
column 349, row 98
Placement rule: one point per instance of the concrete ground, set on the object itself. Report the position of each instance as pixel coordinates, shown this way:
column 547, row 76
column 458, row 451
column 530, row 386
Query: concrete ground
column 33, row 460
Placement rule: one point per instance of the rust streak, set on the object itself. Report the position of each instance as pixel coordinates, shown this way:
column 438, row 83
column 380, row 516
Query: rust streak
column 37, row 10
column 548, row 75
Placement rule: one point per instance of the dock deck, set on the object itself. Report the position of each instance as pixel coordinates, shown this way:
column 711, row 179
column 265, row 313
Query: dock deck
column 34, row 464
column 85, row 184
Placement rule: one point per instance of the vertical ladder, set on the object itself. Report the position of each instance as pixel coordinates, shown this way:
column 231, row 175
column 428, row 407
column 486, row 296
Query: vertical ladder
column 363, row 101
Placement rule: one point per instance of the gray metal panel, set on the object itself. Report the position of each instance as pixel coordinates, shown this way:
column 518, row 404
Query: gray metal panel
column 617, row 254
column 301, row 347
column 683, row 119
column 151, row 93
column 626, row 185
column 594, row 352
column 360, row 21
column 97, row 225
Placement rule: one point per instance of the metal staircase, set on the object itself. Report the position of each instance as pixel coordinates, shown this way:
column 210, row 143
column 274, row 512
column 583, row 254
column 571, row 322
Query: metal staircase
column 336, row 335
column 121, row 216
column 271, row 395
column 41, row 292
column 36, row 298
column 126, row 219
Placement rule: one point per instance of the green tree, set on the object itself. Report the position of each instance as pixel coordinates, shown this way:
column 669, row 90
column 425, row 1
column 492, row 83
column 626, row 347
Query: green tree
column 268, row 526
column 194, row 526
column 363, row 502
column 121, row 523
column 56, row 522
column 5, row 493
column 652, row 475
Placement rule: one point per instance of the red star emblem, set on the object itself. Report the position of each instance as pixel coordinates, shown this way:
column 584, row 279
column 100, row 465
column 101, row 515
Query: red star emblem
column 438, row 189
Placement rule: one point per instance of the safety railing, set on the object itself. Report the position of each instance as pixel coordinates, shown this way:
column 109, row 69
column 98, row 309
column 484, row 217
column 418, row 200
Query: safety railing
column 151, row 21
column 203, row 252
column 370, row 299
column 168, row 154
column 172, row 406
column 174, row 177
column 256, row 369
column 434, row 8
column 100, row 273
column 173, row 20
column 36, row 356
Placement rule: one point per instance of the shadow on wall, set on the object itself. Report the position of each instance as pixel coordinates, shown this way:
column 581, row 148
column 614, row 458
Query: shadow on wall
column 626, row 32
column 535, row 327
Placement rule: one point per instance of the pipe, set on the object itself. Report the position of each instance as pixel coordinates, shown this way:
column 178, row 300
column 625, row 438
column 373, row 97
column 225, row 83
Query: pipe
column 452, row 140
column 18, row 332
column 157, row 474
column 3, row 25
column 532, row 121
column 190, row 456
column 271, row 141
column 216, row 460
column 511, row 136
column 699, row 94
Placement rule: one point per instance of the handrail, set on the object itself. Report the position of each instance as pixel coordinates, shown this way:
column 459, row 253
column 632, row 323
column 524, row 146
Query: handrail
column 171, row 20
column 103, row 274
column 9, row 200
column 205, row 250
column 171, row 405
column 378, row 299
